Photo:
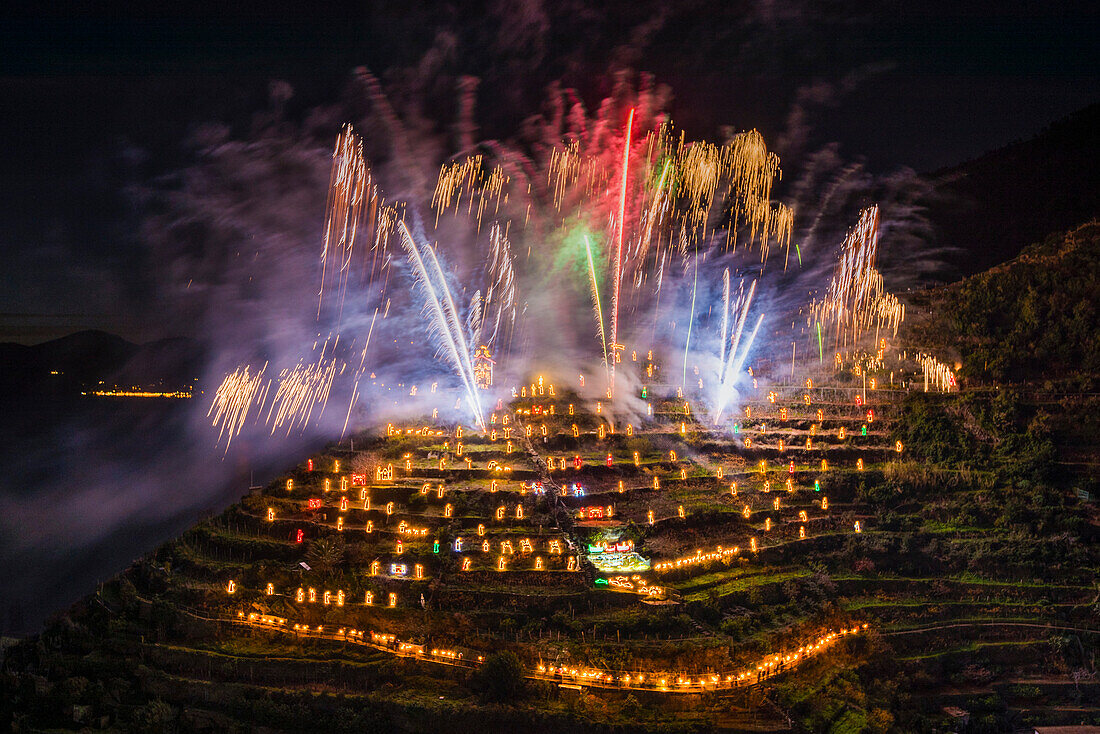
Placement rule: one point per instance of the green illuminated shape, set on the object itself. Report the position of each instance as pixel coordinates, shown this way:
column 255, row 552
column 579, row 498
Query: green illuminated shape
column 645, row 391
column 864, row 430
column 435, row 547
column 817, row 485
column 601, row 581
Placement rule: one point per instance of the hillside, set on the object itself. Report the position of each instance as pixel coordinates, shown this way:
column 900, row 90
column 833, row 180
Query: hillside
column 847, row 560
column 1035, row 317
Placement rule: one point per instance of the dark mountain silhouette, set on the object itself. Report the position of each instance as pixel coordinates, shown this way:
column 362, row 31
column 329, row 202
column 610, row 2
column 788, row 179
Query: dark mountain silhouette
column 87, row 358
column 993, row 206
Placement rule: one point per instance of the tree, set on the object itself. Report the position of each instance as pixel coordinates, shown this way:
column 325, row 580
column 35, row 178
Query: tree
column 501, row 677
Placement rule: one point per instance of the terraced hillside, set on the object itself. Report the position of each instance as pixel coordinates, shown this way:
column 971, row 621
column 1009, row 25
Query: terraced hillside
column 587, row 563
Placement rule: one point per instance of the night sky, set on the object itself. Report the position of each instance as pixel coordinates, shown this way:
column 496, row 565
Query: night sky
column 99, row 101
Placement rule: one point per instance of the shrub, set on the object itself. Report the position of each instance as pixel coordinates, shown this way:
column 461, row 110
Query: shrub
column 500, row 678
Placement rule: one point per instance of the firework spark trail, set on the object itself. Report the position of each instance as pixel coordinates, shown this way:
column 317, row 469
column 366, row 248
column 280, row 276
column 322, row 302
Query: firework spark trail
column 301, row 389
column 349, row 186
column 596, row 306
column 728, row 372
column 351, row 404
column 443, row 325
column 725, row 311
column 748, row 346
column 643, row 243
column 691, row 321
column 743, row 309
column 936, row 374
column 856, row 300
column 239, row 391
column 363, row 357
column 503, row 277
column 620, row 224
column 466, row 178
column 456, row 326
column 475, row 318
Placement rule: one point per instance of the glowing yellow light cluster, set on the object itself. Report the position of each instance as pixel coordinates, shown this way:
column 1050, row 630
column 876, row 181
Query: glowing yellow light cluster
column 718, row 554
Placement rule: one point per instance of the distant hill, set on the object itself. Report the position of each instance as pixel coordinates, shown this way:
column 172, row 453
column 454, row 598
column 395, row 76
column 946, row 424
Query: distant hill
column 993, row 206
column 88, row 357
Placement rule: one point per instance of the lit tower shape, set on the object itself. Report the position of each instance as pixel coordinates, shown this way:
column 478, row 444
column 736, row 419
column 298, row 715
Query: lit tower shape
column 483, row 368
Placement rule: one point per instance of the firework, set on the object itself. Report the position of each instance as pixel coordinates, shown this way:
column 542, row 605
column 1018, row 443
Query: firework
column 443, row 321
column 665, row 207
column 302, row 389
column 239, row 392
column 937, row 375
column 616, row 284
column 597, row 308
column 856, row 300
column 733, row 358
column 349, row 188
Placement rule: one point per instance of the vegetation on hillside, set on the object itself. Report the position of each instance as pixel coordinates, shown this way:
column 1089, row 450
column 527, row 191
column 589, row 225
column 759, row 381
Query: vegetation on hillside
column 1036, row 317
